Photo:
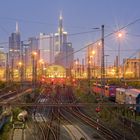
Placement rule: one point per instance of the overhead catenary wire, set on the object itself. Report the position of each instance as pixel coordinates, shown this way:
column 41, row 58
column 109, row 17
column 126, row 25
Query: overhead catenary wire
column 110, row 34
column 49, row 36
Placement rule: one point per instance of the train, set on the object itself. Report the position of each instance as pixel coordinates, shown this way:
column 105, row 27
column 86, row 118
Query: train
column 109, row 90
column 119, row 95
column 22, row 116
column 130, row 97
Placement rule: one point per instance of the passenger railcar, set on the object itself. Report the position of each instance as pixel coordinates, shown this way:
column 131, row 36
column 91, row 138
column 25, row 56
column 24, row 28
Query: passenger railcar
column 120, row 95
column 110, row 92
column 132, row 96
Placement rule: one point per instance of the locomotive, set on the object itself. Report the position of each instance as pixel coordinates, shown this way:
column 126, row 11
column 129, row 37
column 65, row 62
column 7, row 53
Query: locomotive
column 119, row 95
column 109, row 90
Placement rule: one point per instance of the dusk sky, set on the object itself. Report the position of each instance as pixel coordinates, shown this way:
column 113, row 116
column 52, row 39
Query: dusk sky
column 35, row 16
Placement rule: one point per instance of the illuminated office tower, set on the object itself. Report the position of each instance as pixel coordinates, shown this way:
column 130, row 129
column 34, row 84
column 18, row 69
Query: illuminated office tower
column 46, row 48
column 60, row 37
column 14, row 51
column 62, row 48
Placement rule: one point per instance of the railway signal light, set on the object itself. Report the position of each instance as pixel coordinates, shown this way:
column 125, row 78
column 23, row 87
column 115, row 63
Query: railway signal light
column 98, row 109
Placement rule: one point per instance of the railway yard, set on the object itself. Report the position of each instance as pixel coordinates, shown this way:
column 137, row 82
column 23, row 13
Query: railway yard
column 61, row 112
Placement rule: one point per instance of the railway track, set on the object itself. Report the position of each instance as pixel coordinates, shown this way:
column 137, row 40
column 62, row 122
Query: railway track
column 50, row 128
column 18, row 134
column 47, row 120
column 110, row 135
column 107, row 133
column 74, row 127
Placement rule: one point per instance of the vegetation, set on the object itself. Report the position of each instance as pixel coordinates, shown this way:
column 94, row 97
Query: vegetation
column 2, row 84
column 4, row 133
column 16, row 111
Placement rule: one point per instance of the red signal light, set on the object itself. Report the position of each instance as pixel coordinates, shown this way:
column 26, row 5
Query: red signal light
column 98, row 109
column 73, row 80
column 42, row 80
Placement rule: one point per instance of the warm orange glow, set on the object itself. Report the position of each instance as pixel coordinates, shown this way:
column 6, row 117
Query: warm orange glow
column 20, row 63
column 76, row 62
column 93, row 52
column 119, row 35
column 99, row 43
column 41, row 61
column 34, row 53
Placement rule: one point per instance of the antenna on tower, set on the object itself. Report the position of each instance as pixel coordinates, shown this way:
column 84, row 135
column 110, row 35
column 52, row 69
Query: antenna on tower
column 17, row 27
column 60, row 16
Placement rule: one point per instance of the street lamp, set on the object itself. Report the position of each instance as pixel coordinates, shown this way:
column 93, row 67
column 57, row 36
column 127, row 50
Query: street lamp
column 90, row 55
column 92, row 62
column 76, row 66
column 119, row 35
column 34, row 69
column 20, row 64
column 41, row 62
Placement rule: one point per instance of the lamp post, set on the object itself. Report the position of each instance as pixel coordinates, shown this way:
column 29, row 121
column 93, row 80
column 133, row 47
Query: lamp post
column 41, row 62
column 76, row 66
column 7, row 68
column 20, row 64
column 90, row 53
column 93, row 63
column 34, row 69
column 120, row 35
column 88, row 69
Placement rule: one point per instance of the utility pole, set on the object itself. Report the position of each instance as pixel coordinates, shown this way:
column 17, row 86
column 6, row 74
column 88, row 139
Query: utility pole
column 88, row 70
column 21, row 66
column 7, row 69
column 102, row 62
column 12, row 68
column 106, row 66
column 34, row 69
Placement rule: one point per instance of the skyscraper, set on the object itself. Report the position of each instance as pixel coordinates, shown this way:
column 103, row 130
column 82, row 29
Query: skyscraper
column 33, row 47
column 46, row 48
column 63, row 49
column 14, row 50
column 60, row 37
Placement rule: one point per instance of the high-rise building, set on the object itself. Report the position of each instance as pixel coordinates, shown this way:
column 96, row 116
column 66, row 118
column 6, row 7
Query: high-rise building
column 60, row 37
column 66, row 56
column 29, row 52
column 63, row 50
column 93, row 59
column 14, row 47
column 14, row 51
column 33, row 47
column 46, row 48
column 94, row 52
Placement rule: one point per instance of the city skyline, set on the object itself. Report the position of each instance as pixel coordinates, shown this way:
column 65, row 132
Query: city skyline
column 32, row 22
